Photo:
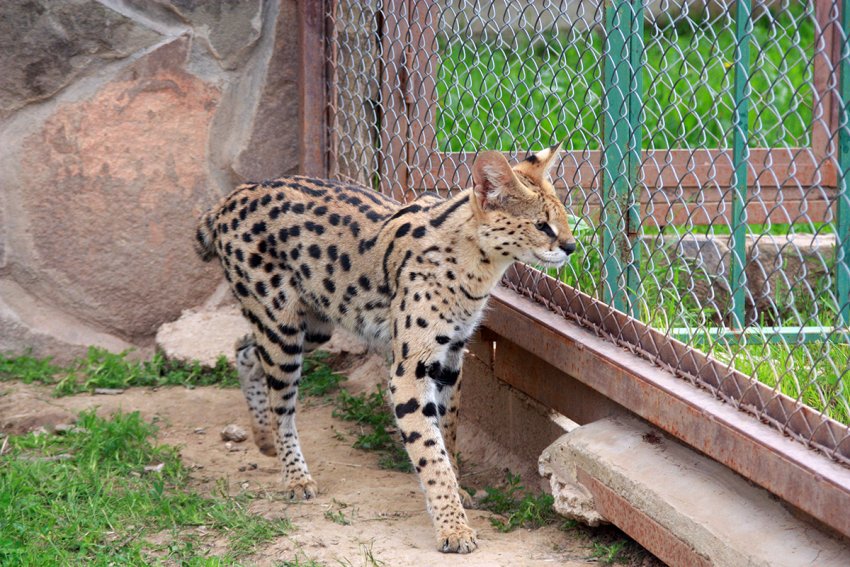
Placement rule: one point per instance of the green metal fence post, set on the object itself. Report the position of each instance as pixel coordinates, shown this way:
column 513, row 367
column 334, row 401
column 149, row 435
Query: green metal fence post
column 842, row 250
column 740, row 155
column 620, row 216
column 633, row 280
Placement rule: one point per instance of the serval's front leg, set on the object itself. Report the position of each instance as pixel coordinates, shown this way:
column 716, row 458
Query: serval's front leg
column 416, row 408
column 447, row 382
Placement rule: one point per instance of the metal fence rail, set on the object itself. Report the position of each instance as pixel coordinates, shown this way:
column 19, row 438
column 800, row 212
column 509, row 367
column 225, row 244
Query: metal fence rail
column 708, row 148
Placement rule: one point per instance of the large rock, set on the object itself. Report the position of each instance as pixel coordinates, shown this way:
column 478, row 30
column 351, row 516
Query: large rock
column 109, row 190
column 230, row 28
column 46, row 45
column 203, row 335
column 271, row 147
column 27, row 325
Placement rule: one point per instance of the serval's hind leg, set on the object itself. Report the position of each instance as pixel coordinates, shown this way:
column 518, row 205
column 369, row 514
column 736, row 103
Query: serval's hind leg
column 252, row 380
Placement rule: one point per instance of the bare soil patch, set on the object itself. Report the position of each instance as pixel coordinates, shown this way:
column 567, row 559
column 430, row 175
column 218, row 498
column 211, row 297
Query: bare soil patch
column 361, row 509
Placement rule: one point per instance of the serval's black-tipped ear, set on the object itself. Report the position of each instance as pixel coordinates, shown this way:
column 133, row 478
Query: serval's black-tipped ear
column 495, row 181
column 537, row 165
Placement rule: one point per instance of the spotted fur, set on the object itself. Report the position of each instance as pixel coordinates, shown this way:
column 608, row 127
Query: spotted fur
column 304, row 255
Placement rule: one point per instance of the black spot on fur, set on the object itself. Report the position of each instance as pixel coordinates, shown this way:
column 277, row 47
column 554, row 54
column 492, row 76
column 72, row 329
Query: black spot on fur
column 413, row 437
column 421, row 369
column 406, row 408
column 402, row 230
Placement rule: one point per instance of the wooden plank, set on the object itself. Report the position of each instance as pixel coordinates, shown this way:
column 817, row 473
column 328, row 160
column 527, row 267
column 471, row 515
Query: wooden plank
column 422, row 89
column 332, row 87
column 550, row 386
column 771, row 167
column 788, row 185
column 825, row 65
column 313, row 123
column 393, row 106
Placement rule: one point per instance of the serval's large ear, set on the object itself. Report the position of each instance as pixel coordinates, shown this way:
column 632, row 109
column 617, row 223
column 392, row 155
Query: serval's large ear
column 537, row 166
column 495, row 181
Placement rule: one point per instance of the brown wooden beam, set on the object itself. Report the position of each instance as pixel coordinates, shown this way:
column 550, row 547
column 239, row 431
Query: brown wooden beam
column 313, row 88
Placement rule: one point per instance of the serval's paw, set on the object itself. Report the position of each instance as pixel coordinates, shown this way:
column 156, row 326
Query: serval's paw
column 304, row 488
column 459, row 539
column 264, row 439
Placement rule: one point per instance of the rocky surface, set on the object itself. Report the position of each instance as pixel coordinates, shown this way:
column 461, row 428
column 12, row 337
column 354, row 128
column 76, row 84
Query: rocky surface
column 120, row 122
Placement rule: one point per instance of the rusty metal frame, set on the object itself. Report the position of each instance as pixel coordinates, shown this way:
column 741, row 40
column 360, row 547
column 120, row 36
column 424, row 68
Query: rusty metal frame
column 654, row 376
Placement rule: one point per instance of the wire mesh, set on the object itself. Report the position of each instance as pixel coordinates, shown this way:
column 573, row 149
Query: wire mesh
column 703, row 167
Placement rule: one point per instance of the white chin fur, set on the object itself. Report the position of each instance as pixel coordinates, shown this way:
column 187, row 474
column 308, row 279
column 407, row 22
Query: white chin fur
column 548, row 259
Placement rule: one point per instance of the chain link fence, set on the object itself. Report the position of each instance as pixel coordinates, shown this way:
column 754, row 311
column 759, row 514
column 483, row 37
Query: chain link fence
column 707, row 148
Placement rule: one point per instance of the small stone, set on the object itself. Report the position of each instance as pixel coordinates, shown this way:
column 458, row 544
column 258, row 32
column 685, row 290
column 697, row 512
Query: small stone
column 154, row 468
column 200, row 431
column 234, row 433
column 108, row 391
column 248, row 467
column 63, row 428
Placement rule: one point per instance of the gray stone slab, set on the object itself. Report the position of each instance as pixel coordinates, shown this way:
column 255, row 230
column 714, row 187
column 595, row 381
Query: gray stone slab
column 717, row 512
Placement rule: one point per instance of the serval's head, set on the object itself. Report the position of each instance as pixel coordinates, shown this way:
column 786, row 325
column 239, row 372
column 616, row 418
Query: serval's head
column 520, row 215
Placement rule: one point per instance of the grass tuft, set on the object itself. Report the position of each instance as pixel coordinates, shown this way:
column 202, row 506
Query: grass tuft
column 377, row 432
column 103, row 369
column 319, row 379
column 86, row 498
column 518, row 507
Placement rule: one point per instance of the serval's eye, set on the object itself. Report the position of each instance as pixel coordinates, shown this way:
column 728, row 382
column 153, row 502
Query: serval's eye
column 544, row 227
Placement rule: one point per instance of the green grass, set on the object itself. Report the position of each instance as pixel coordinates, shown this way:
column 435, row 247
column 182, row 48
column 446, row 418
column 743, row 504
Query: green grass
column 103, row 369
column 318, row 379
column 96, row 505
column 377, row 427
column 509, row 92
column 518, row 507
column 814, row 372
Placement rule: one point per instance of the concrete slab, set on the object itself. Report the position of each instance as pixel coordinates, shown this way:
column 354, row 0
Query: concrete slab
column 680, row 505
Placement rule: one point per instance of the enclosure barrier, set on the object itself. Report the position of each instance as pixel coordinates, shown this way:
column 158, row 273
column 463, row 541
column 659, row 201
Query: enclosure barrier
column 708, row 152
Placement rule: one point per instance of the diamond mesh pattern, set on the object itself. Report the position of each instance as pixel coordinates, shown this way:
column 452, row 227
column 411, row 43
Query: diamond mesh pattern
column 418, row 87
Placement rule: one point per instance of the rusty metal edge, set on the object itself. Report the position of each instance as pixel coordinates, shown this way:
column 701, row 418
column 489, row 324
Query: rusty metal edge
column 786, row 414
column 804, row 478
column 645, row 530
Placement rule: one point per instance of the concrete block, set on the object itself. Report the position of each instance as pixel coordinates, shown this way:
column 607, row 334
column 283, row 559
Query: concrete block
column 686, row 505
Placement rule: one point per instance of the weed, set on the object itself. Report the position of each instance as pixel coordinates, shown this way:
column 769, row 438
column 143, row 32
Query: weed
column 97, row 505
column 377, row 433
column 369, row 559
column 318, row 378
column 608, row 554
column 298, row 562
column 517, row 506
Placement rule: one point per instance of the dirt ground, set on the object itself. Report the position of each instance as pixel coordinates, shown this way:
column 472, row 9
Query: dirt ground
column 385, row 508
